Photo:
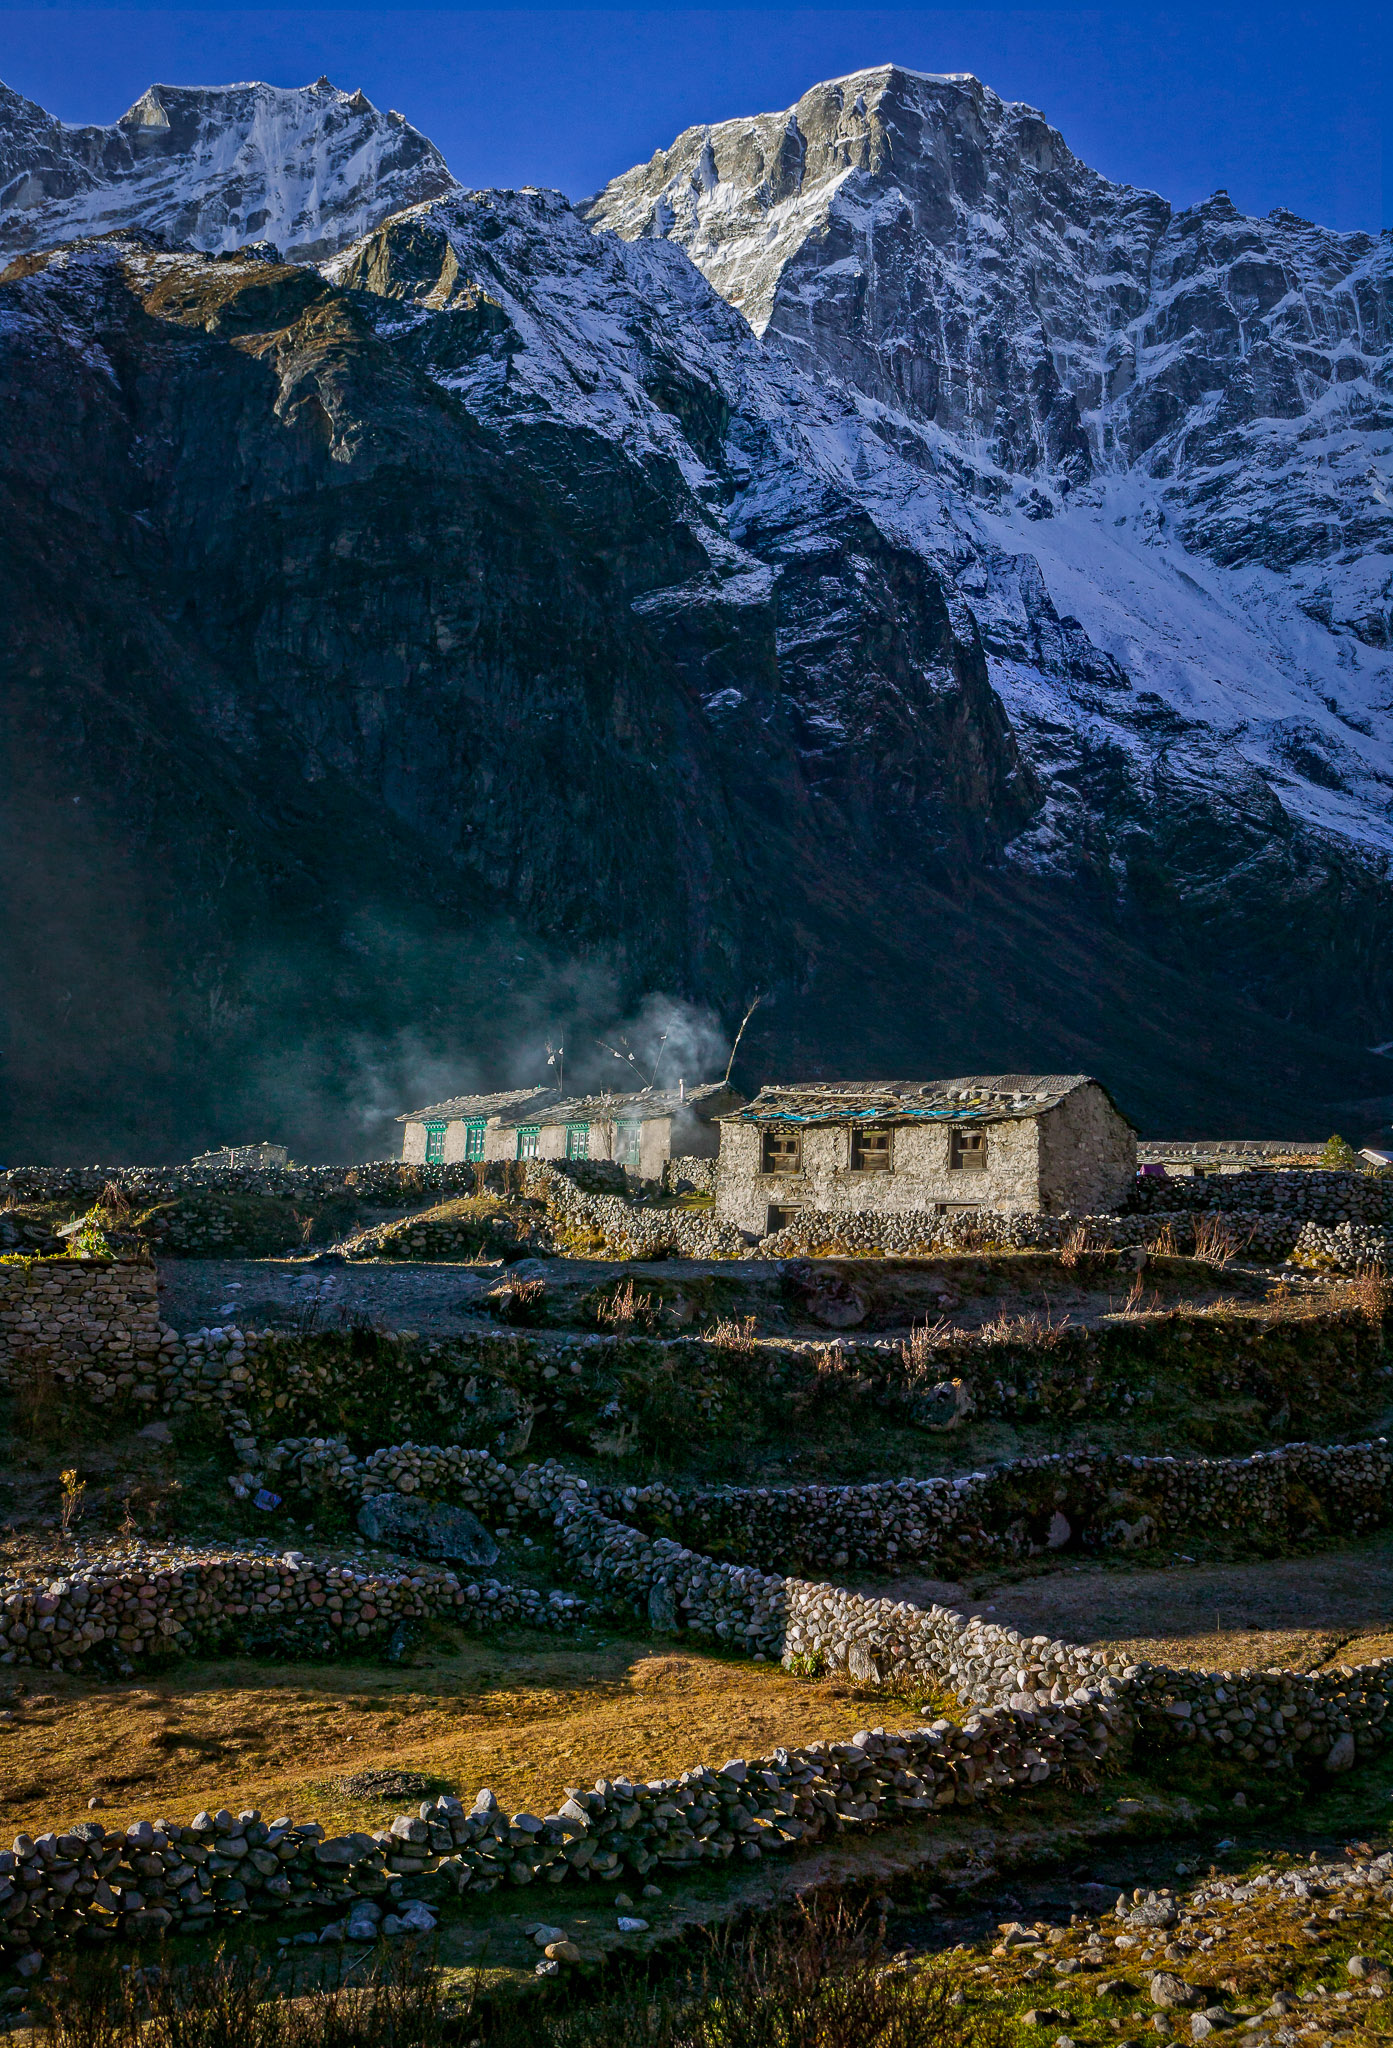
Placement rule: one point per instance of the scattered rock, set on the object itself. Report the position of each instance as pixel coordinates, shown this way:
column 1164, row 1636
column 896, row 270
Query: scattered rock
column 1169, row 1991
column 432, row 1528
column 1341, row 1756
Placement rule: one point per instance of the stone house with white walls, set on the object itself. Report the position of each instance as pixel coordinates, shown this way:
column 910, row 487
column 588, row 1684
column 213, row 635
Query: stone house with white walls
column 469, row 1127
column 639, row 1132
column 1043, row 1143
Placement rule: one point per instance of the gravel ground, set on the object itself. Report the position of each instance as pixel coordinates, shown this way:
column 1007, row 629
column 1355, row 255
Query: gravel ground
column 1299, row 1612
column 203, row 1293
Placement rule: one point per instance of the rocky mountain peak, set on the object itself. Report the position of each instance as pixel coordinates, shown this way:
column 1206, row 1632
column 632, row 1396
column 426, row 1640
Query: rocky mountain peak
column 215, row 167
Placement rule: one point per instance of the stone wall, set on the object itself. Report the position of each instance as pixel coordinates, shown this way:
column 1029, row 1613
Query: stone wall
column 79, row 1318
column 1040, row 1709
column 388, row 1181
column 1253, row 1234
column 146, row 1603
column 1299, row 1193
column 1093, row 1500
column 1345, row 1248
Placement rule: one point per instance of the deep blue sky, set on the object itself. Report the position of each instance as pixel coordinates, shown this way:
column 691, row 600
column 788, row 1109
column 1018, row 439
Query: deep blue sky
column 1284, row 106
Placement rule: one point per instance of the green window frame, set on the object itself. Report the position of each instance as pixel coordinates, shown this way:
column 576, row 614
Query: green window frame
column 529, row 1137
column 474, row 1137
column 435, row 1144
column 577, row 1141
column 628, row 1144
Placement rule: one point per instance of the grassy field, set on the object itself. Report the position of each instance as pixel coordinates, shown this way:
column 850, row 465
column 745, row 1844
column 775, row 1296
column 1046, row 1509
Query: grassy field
column 519, row 1714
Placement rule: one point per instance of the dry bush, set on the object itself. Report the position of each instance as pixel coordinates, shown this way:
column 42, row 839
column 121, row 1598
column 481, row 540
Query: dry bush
column 1163, row 1244
column 1216, row 1243
column 728, row 1334
column 1369, row 1291
column 70, row 1509
column 233, row 1999
column 811, row 1977
column 1041, row 1333
column 624, row 1310
column 1136, row 1303
column 917, row 1352
column 116, row 1207
column 1072, row 1250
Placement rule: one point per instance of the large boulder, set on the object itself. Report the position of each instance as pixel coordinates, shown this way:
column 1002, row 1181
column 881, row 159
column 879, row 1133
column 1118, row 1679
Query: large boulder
column 430, row 1527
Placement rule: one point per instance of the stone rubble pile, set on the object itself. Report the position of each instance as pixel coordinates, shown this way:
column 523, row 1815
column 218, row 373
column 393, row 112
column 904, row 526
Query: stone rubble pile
column 633, row 1230
column 689, row 1176
column 1343, row 1248
column 120, row 1607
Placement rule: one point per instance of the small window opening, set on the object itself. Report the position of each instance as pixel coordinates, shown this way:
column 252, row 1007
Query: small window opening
column 870, row 1150
column 474, row 1138
column 781, row 1214
column 435, row 1144
column 968, row 1150
column 628, row 1144
column 528, row 1137
column 577, row 1141
column 783, row 1151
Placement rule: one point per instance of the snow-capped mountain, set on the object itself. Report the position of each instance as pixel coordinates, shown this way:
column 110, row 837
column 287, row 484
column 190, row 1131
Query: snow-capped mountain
column 214, row 167
column 1179, row 426
column 687, row 596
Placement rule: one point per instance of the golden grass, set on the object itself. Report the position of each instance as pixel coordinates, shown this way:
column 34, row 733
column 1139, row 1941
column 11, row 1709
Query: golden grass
column 526, row 1720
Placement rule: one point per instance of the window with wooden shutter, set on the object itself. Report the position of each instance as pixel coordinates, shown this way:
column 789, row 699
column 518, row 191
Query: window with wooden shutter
column 435, row 1144
column 968, row 1150
column 474, row 1138
column 870, row 1149
column 783, row 1151
column 577, row 1141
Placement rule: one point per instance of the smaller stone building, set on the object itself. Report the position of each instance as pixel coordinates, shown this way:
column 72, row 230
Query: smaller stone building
column 1041, row 1143
column 470, row 1126
column 639, row 1132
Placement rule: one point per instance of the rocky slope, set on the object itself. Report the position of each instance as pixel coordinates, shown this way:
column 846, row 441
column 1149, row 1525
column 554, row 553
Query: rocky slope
column 489, row 625
column 1171, row 432
column 216, row 167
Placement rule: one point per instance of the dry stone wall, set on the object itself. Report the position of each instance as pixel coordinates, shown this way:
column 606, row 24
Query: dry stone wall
column 1038, row 1709
column 1320, row 1194
column 388, row 1181
column 79, row 1318
column 1092, row 1499
column 1257, row 1234
column 120, row 1608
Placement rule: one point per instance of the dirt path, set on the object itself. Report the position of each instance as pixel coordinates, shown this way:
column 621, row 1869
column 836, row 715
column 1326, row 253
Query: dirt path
column 1297, row 1612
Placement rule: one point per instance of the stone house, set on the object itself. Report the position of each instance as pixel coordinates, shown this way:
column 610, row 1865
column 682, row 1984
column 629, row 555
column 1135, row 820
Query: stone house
column 639, row 1132
column 470, row 1126
column 1046, row 1143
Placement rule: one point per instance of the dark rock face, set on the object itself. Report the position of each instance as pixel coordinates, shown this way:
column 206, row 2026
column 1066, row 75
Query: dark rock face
column 430, row 1528
column 488, row 624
